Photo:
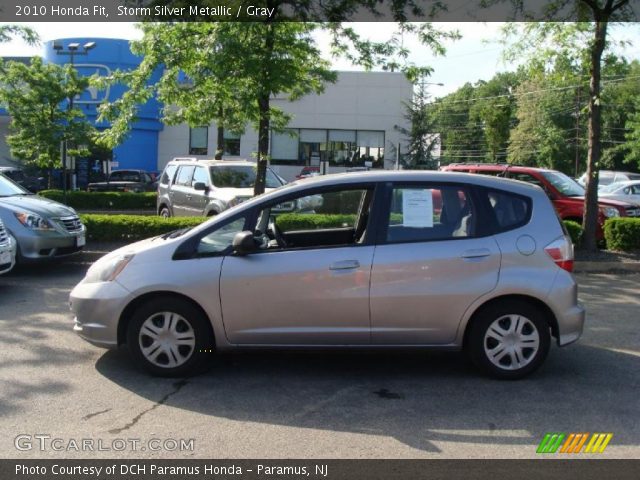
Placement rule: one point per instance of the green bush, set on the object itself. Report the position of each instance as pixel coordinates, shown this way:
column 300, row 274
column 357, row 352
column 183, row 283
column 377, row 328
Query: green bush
column 575, row 231
column 104, row 200
column 301, row 221
column 622, row 233
column 133, row 227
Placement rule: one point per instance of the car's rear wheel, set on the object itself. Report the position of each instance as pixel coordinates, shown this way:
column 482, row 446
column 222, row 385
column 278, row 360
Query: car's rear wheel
column 165, row 212
column 509, row 340
column 170, row 337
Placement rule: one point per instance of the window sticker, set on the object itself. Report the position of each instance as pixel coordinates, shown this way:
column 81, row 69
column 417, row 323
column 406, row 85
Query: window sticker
column 417, row 208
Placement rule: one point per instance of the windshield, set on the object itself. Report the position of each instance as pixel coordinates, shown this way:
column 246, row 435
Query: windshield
column 240, row 176
column 9, row 188
column 564, row 184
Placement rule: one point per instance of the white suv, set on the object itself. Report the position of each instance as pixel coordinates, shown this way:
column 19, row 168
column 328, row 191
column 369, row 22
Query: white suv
column 191, row 187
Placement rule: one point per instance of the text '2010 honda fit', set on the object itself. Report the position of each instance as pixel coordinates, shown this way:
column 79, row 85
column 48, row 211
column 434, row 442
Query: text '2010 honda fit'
column 383, row 259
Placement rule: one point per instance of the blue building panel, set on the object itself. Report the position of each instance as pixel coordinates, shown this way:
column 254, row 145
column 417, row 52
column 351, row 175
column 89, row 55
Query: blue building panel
column 140, row 149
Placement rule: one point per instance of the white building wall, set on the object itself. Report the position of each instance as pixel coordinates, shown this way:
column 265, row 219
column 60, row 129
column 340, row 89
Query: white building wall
column 357, row 101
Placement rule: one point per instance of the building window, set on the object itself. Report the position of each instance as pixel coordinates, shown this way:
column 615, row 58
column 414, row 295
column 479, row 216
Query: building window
column 313, row 146
column 370, row 148
column 342, row 147
column 231, row 145
column 284, row 147
column 198, row 140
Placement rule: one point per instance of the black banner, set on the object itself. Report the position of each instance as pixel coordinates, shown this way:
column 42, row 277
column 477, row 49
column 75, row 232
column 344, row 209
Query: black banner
column 307, row 10
column 544, row 468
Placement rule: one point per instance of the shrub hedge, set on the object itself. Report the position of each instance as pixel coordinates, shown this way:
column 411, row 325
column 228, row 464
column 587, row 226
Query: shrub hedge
column 575, row 231
column 622, row 233
column 104, row 200
column 300, row 221
column 106, row 228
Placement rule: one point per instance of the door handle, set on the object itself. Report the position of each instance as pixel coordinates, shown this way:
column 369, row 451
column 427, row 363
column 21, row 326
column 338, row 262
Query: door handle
column 345, row 265
column 188, row 197
column 476, row 253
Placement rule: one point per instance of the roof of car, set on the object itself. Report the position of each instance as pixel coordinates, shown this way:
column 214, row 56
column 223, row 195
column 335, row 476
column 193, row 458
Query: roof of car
column 210, row 161
column 416, row 175
column 493, row 167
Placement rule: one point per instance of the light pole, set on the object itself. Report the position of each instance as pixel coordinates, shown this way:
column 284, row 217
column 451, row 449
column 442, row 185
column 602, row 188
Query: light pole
column 73, row 49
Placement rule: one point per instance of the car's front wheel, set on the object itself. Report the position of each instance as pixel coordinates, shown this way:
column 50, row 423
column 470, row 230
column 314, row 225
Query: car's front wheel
column 165, row 212
column 170, row 337
column 508, row 340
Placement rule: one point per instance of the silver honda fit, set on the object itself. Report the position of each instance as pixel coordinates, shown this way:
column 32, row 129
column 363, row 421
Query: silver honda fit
column 383, row 259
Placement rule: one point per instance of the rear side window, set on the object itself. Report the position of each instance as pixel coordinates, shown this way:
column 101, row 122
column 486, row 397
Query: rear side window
column 167, row 175
column 430, row 213
column 184, row 175
column 510, row 210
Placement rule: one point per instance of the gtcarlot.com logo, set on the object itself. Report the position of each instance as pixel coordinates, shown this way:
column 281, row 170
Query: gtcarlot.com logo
column 574, row 443
column 43, row 442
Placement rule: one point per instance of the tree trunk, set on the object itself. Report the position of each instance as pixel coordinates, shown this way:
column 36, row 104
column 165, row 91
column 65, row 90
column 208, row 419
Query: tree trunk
column 263, row 145
column 590, row 219
column 220, row 141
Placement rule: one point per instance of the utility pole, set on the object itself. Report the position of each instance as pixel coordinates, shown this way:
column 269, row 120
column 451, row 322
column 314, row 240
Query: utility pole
column 577, row 141
column 72, row 50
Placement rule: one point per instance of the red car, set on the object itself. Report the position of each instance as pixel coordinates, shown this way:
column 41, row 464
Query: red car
column 565, row 193
column 308, row 172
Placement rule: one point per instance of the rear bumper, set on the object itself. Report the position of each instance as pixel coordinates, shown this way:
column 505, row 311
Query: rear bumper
column 570, row 315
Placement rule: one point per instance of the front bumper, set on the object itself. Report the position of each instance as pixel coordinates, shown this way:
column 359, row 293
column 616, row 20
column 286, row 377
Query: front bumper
column 37, row 246
column 97, row 308
column 10, row 249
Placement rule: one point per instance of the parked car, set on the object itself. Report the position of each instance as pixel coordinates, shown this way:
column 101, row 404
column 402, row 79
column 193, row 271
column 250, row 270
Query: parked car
column 191, row 187
column 624, row 191
column 607, row 177
column 485, row 269
column 18, row 175
column 42, row 228
column 7, row 250
column 135, row 181
column 308, row 172
column 567, row 195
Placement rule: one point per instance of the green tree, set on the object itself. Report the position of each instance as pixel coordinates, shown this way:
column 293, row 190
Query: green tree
column 34, row 96
column 421, row 139
column 585, row 41
column 254, row 61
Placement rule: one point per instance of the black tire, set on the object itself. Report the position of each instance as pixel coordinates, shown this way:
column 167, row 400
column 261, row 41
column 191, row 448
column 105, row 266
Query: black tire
column 505, row 314
column 164, row 212
column 185, row 316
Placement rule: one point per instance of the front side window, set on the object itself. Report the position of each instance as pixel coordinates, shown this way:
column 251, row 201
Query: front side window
column 200, row 175
column 430, row 213
column 335, row 218
column 221, row 238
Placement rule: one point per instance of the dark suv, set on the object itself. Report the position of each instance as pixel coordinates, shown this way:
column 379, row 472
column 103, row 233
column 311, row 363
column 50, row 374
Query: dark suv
column 565, row 193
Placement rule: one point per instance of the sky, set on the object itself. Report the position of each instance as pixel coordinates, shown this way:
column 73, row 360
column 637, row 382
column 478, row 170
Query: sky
column 476, row 56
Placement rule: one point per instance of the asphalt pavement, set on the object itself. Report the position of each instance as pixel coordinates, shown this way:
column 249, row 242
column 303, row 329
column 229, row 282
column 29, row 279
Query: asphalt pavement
column 57, row 391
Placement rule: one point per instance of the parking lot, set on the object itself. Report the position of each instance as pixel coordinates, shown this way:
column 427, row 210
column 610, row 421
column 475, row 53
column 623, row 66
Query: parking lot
column 321, row 405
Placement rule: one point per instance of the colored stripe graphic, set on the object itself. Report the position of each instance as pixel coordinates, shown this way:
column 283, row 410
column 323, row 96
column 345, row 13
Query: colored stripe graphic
column 574, row 442
column 550, row 443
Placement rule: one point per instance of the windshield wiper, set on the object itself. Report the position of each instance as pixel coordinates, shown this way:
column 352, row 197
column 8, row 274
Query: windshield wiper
column 175, row 233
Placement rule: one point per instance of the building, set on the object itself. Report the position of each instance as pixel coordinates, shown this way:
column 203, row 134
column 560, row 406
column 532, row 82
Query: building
column 353, row 123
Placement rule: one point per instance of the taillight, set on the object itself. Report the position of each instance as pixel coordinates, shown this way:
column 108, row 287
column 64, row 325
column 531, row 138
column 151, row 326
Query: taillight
column 561, row 252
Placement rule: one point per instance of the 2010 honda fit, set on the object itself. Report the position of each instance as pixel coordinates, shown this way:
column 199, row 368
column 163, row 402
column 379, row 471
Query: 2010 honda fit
column 388, row 259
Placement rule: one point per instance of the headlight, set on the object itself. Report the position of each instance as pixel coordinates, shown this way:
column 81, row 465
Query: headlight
column 33, row 221
column 109, row 270
column 610, row 212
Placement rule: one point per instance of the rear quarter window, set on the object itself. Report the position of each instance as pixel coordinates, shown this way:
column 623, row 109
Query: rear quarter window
column 508, row 209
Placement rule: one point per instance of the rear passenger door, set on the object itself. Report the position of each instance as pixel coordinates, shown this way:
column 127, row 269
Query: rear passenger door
column 433, row 259
column 181, row 191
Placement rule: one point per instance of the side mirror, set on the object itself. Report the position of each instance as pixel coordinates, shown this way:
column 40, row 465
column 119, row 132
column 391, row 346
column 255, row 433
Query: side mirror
column 244, row 243
column 200, row 186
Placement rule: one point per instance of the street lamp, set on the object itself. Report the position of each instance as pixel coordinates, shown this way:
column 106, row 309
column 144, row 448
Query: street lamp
column 73, row 49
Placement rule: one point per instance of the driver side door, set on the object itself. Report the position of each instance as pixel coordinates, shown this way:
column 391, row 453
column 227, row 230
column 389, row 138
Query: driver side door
column 311, row 290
